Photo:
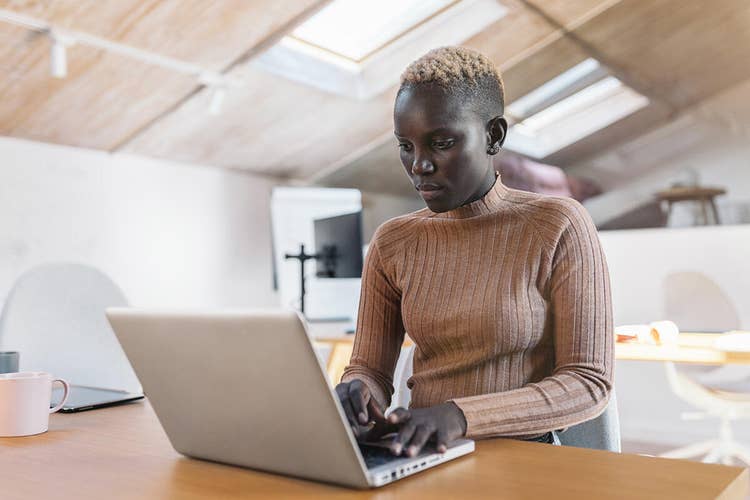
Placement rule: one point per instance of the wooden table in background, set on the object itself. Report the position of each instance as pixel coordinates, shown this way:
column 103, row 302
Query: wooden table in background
column 703, row 195
column 341, row 351
column 123, row 453
column 691, row 348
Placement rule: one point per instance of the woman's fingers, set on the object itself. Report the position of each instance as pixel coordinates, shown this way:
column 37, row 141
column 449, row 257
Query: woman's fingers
column 442, row 440
column 404, row 436
column 374, row 410
column 421, row 435
column 347, row 404
column 342, row 391
column 378, row 430
column 359, row 396
column 399, row 416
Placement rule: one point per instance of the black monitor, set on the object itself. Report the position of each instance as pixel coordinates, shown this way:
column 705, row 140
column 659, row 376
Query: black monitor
column 338, row 245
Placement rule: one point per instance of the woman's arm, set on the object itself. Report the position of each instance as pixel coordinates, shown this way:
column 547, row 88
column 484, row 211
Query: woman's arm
column 578, row 389
column 380, row 330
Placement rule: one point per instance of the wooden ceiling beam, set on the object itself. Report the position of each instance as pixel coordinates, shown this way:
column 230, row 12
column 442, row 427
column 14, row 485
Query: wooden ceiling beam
column 258, row 48
column 568, row 31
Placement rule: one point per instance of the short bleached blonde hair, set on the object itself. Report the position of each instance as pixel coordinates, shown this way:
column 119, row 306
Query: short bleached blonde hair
column 459, row 70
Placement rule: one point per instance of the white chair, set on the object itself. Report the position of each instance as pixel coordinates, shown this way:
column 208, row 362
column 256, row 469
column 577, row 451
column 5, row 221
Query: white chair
column 404, row 369
column 697, row 303
column 726, row 406
column 601, row 433
column 694, row 300
column 54, row 316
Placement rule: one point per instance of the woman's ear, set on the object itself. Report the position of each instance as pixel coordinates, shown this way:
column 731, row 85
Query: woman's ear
column 497, row 129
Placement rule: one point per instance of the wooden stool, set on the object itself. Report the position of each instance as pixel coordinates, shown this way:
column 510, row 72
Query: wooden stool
column 704, row 195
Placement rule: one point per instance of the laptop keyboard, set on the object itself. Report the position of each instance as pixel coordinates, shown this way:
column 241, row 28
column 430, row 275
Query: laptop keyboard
column 376, row 456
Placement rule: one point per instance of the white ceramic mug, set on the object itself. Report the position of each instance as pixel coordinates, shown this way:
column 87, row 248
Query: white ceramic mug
column 24, row 402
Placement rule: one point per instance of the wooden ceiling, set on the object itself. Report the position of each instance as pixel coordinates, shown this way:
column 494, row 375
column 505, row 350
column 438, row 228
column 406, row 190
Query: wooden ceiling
column 676, row 52
column 107, row 99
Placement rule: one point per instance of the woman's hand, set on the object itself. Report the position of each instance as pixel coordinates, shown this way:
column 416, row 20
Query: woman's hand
column 446, row 422
column 359, row 406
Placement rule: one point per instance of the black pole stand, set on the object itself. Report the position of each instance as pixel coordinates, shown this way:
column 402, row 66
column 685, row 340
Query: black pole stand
column 302, row 257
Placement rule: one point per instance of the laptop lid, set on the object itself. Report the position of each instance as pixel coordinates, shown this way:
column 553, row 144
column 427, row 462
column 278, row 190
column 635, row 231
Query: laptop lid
column 243, row 388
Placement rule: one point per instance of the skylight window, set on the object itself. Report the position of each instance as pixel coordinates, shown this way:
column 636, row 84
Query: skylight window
column 358, row 48
column 568, row 108
column 355, row 29
column 563, row 85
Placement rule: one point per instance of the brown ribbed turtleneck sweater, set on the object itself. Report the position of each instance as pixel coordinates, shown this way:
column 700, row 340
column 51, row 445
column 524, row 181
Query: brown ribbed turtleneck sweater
column 508, row 302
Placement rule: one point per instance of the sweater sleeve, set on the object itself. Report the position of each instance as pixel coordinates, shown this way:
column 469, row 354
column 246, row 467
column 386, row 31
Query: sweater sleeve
column 578, row 388
column 380, row 329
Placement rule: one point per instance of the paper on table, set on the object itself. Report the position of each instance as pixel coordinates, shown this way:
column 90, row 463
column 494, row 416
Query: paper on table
column 665, row 332
column 657, row 333
column 632, row 333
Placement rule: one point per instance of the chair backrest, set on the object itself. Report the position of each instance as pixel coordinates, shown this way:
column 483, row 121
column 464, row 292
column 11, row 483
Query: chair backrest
column 696, row 302
column 54, row 316
column 601, row 433
column 404, row 369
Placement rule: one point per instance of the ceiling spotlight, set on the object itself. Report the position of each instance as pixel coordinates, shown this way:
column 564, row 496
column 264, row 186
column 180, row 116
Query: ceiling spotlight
column 217, row 83
column 217, row 100
column 58, row 55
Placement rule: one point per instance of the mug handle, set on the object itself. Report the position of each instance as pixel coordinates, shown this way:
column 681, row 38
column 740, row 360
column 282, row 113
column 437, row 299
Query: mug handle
column 66, row 388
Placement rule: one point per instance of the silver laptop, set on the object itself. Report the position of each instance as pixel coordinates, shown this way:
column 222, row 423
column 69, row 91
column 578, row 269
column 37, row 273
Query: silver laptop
column 246, row 388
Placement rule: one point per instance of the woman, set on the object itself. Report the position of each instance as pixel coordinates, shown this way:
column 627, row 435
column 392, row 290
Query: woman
column 505, row 293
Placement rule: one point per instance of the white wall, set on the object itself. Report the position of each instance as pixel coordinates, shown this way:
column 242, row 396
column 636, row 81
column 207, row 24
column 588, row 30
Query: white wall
column 638, row 261
column 169, row 234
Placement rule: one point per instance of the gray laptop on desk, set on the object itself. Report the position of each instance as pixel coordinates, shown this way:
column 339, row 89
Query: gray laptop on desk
column 246, row 388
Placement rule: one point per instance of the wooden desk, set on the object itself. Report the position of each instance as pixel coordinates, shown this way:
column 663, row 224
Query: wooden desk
column 691, row 348
column 122, row 453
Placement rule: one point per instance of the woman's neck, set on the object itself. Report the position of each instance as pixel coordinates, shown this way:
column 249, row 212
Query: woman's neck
column 484, row 188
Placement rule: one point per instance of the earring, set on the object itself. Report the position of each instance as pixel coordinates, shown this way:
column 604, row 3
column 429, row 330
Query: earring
column 493, row 150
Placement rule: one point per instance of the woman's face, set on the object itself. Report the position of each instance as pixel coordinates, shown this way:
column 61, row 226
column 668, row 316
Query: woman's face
column 443, row 147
